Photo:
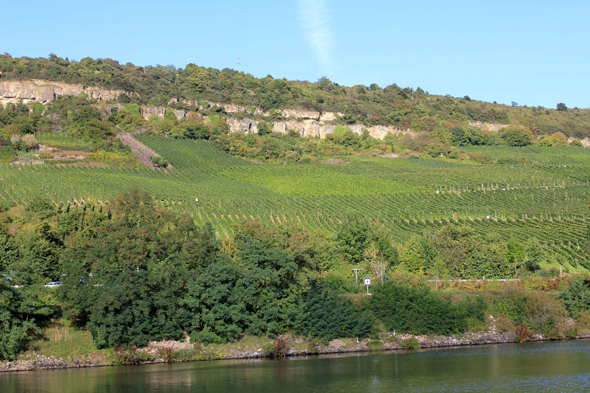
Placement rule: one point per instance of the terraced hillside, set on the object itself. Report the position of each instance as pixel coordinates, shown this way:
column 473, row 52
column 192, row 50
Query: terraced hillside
column 545, row 195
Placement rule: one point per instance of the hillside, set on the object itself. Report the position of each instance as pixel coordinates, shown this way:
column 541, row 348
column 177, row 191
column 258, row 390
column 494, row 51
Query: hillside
column 193, row 87
column 177, row 204
column 500, row 180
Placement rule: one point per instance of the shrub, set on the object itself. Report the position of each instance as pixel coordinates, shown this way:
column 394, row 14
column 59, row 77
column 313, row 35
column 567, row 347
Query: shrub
column 576, row 296
column 16, row 140
column 160, row 161
column 30, row 141
column 417, row 310
column 277, row 349
column 516, row 136
column 312, row 347
column 410, row 343
column 375, row 345
column 329, row 316
column 538, row 312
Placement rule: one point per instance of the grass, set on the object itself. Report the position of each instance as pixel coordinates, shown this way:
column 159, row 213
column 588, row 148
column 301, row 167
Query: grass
column 375, row 345
column 62, row 340
column 62, row 141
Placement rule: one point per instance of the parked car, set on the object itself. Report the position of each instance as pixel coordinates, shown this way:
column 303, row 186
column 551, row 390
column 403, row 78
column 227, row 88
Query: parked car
column 53, row 284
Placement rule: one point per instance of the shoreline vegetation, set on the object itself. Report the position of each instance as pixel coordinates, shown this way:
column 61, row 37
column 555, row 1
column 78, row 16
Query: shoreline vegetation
column 140, row 283
column 178, row 352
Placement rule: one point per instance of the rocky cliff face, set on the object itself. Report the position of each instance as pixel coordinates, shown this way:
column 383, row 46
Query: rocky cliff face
column 487, row 126
column 305, row 122
column 43, row 91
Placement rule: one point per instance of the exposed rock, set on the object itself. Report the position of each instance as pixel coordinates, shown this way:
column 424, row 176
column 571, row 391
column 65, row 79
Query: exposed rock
column 487, row 126
column 174, row 345
column 585, row 141
column 33, row 361
column 245, row 126
column 147, row 111
column 43, row 91
column 300, row 114
column 307, row 123
column 180, row 114
column 336, row 161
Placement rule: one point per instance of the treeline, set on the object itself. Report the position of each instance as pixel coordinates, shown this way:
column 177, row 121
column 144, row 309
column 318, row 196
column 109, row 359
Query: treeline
column 290, row 147
column 369, row 105
column 135, row 272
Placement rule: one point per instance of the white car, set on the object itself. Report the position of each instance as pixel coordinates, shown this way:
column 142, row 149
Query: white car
column 53, row 284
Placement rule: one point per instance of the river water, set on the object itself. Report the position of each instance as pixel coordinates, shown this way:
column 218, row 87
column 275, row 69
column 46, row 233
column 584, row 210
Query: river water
column 531, row 367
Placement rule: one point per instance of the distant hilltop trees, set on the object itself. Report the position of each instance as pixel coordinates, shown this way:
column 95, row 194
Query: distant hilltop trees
column 405, row 108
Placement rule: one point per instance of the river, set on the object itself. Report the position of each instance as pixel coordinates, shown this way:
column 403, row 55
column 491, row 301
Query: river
column 562, row 366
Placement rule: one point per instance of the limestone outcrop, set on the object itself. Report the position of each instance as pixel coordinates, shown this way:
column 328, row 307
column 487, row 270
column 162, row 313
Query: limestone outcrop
column 487, row 126
column 305, row 122
column 148, row 111
column 40, row 91
column 313, row 128
column 585, row 142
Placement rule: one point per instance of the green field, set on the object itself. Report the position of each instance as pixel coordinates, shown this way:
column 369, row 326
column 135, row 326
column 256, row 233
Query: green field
column 545, row 196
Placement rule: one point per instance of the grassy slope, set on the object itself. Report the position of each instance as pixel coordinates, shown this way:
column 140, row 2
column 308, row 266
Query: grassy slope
column 545, row 197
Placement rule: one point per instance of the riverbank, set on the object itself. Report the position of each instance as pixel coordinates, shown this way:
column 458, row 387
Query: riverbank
column 175, row 351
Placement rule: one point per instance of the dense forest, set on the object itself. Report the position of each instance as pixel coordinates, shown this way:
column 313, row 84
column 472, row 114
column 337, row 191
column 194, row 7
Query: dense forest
column 369, row 105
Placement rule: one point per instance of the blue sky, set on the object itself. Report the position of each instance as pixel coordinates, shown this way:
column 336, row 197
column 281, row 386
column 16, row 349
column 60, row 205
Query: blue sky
column 530, row 52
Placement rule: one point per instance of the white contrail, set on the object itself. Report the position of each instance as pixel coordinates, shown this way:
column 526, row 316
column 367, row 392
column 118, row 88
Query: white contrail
column 315, row 23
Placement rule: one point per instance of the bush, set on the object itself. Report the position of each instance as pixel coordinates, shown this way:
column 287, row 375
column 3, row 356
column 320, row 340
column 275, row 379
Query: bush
column 160, row 161
column 410, row 343
column 16, row 140
column 329, row 316
column 516, row 136
column 576, row 296
column 417, row 310
column 538, row 312
column 375, row 345
column 30, row 141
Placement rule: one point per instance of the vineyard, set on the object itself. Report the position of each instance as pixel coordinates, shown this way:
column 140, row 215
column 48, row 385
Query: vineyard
column 540, row 192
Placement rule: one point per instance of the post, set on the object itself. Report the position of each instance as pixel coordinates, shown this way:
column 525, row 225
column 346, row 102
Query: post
column 367, row 282
column 356, row 278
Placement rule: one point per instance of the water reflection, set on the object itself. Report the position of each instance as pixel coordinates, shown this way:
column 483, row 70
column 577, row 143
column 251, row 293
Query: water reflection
column 556, row 366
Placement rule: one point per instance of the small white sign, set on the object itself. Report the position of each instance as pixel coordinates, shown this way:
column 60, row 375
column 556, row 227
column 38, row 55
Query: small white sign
column 367, row 281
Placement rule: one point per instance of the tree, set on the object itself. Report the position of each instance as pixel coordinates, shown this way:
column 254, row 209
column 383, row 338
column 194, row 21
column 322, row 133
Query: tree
column 419, row 255
column 418, row 310
column 561, row 107
column 576, row 295
column 30, row 141
column 534, row 254
column 515, row 136
column 352, row 239
column 327, row 316
column 21, row 316
column 264, row 128
column 458, row 136
column 515, row 253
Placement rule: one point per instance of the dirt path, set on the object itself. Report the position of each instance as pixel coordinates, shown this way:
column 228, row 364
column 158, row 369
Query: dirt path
column 141, row 151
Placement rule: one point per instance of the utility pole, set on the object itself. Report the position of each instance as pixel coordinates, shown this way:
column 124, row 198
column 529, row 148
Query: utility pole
column 239, row 65
column 356, row 277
